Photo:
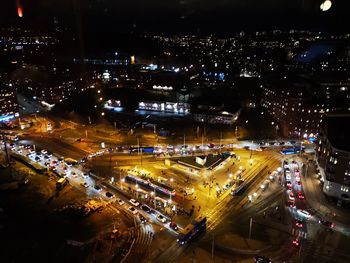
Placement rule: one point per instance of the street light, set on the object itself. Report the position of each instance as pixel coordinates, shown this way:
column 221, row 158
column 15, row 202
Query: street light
column 171, row 179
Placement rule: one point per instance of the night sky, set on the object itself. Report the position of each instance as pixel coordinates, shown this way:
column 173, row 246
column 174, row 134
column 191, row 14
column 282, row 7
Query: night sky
column 188, row 16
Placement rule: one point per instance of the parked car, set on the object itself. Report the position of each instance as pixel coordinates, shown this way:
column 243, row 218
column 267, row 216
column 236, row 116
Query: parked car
column 84, row 184
column 97, row 188
column 133, row 210
column 146, row 208
column 109, row 195
column 134, row 202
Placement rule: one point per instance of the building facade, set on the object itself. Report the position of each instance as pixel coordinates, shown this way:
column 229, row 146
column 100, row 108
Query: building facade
column 298, row 109
column 333, row 156
column 8, row 103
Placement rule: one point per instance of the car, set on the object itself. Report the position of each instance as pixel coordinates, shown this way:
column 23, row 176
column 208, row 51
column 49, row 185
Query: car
column 291, row 196
column 326, row 223
column 261, row 259
column 120, row 202
column 288, row 177
column 291, row 204
column 297, row 178
column 303, row 213
column 296, row 242
column 109, row 195
column 299, row 183
column 300, row 195
column 85, row 175
column 143, row 219
column 84, row 184
column 74, row 174
column 299, row 223
column 161, row 218
column 37, row 159
column 173, row 225
column 296, row 173
column 97, row 188
column 289, row 183
column 281, row 143
column 133, row 210
column 146, row 208
column 134, row 202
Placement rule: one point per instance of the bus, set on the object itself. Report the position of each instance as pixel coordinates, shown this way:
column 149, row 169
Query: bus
column 240, row 187
column 293, row 150
column 143, row 149
column 198, row 226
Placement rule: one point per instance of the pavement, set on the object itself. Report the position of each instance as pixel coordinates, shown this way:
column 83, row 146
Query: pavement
column 318, row 200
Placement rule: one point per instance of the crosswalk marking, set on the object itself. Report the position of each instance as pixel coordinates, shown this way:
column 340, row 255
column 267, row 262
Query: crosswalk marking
column 299, row 233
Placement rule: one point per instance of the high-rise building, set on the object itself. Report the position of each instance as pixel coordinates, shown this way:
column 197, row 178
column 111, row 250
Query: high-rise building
column 333, row 156
column 8, row 102
column 299, row 106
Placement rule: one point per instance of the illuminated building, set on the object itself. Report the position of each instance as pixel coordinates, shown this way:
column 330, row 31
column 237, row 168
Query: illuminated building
column 333, row 156
column 299, row 106
column 169, row 107
column 8, row 103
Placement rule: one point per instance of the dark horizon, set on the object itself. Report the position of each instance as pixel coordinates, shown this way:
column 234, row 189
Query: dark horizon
column 203, row 17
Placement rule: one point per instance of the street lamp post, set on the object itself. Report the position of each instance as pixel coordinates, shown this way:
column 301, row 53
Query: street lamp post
column 250, row 227
column 120, row 177
column 212, row 248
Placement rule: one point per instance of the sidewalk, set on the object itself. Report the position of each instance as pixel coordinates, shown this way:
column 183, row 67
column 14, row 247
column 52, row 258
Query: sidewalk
column 318, row 201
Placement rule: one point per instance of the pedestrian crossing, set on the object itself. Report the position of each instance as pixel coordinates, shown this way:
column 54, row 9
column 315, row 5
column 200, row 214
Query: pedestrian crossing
column 143, row 235
column 299, row 233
